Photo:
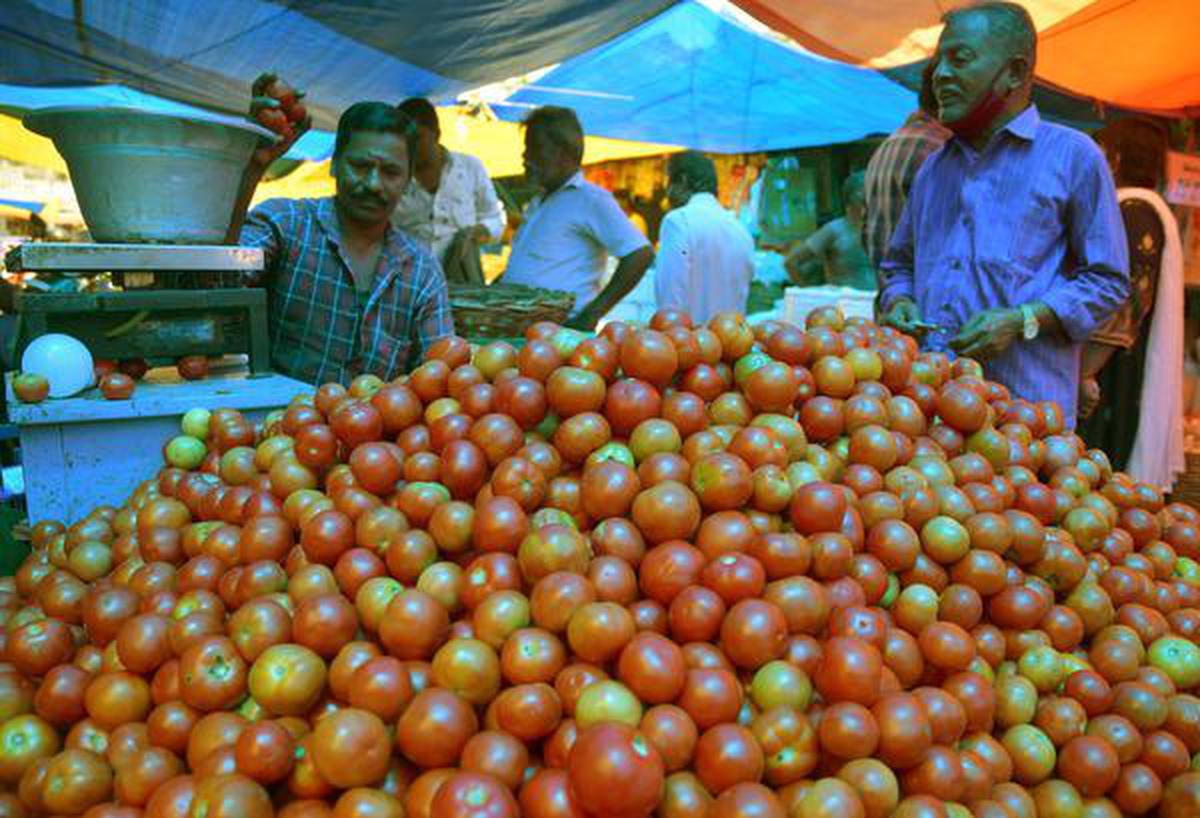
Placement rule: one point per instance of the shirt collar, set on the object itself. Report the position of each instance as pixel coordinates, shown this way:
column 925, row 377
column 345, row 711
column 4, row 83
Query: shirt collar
column 450, row 162
column 327, row 218
column 393, row 239
column 575, row 180
column 415, row 188
column 702, row 198
column 1025, row 124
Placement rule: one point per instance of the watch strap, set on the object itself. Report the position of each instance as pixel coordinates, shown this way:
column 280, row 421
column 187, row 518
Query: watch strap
column 1030, row 325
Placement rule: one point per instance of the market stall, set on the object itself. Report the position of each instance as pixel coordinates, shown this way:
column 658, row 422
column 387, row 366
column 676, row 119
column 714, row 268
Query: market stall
column 775, row 566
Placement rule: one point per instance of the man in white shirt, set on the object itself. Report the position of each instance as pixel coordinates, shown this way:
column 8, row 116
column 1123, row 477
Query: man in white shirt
column 572, row 227
column 450, row 203
column 705, row 254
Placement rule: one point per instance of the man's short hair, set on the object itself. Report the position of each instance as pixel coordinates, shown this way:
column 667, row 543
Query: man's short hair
column 422, row 112
column 559, row 125
column 379, row 117
column 1140, row 146
column 1008, row 22
column 853, row 187
column 696, row 168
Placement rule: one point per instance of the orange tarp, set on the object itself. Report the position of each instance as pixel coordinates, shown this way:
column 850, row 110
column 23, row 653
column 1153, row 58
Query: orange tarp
column 1134, row 53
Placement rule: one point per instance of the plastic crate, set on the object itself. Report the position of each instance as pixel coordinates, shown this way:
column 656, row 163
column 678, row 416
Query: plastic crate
column 798, row 302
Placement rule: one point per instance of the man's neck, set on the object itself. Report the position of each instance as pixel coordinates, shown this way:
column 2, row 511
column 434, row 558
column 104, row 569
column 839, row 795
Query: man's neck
column 435, row 159
column 360, row 234
column 551, row 187
column 1010, row 112
column 428, row 169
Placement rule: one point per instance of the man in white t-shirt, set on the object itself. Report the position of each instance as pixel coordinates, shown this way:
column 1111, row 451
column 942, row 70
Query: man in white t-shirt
column 572, row 227
column 705, row 254
column 450, row 201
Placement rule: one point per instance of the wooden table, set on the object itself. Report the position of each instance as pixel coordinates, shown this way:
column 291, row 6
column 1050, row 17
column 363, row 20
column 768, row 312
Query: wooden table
column 85, row 451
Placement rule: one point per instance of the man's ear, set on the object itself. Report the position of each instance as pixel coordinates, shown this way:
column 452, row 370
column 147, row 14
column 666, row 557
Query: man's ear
column 1019, row 72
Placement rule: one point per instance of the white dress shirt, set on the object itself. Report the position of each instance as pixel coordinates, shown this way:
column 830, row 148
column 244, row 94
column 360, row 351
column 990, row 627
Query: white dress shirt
column 567, row 237
column 465, row 197
column 705, row 260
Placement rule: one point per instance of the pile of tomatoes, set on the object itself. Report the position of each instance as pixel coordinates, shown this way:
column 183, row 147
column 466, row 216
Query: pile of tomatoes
column 719, row 571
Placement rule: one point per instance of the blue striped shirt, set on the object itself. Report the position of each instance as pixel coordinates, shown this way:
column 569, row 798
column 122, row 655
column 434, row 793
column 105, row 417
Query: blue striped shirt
column 1031, row 217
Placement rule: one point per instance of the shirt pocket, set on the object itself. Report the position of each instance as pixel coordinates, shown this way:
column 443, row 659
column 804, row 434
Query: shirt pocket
column 1035, row 234
column 388, row 340
column 1008, row 283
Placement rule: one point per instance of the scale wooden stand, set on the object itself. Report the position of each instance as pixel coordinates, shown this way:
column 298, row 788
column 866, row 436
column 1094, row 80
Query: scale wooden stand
column 177, row 300
column 84, row 451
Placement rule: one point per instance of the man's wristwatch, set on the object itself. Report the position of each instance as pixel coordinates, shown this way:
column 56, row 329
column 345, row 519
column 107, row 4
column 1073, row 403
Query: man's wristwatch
column 1030, row 326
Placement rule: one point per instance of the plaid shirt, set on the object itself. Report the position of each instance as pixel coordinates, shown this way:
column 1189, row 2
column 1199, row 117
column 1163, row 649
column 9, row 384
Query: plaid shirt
column 890, row 175
column 321, row 329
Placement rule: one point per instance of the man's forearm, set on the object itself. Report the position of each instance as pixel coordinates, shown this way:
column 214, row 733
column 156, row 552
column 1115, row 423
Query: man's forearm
column 803, row 273
column 1086, row 300
column 491, row 227
column 250, row 179
column 1095, row 356
column 797, row 257
column 897, row 286
column 628, row 273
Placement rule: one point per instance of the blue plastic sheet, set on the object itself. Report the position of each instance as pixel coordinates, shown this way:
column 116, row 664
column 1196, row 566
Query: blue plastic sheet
column 697, row 77
column 207, row 52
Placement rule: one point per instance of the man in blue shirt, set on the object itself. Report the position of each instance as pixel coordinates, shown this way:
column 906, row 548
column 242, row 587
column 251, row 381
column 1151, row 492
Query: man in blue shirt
column 1011, row 248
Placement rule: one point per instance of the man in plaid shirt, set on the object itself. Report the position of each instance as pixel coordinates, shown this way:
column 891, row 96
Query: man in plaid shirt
column 347, row 292
column 891, row 171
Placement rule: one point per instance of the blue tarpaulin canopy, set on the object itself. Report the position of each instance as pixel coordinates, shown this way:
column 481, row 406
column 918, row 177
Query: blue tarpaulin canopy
column 696, row 76
column 644, row 70
column 21, row 204
column 207, row 52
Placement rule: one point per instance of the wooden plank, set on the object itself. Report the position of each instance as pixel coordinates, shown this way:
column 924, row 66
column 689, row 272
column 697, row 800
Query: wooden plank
column 161, row 394
column 176, row 322
column 68, row 257
column 131, row 300
column 81, row 452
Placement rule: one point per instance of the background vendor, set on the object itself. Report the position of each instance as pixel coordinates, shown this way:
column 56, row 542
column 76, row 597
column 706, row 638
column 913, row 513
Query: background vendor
column 573, row 226
column 837, row 246
column 450, row 204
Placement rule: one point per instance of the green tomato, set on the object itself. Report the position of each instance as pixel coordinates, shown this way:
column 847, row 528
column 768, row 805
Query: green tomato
column 781, row 684
column 195, row 423
column 1032, row 752
column 1178, row 658
column 1188, row 570
column 545, row 429
column 1043, row 666
column 186, row 452
column 607, row 701
column 612, row 451
column 748, row 364
column 893, row 591
column 566, row 340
